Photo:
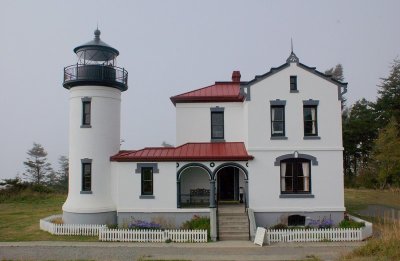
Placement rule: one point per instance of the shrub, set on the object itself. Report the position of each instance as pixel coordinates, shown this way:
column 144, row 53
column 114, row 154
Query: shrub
column 198, row 222
column 58, row 221
column 351, row 224
column 324, row 223
column 141, row 224
column 279, row 226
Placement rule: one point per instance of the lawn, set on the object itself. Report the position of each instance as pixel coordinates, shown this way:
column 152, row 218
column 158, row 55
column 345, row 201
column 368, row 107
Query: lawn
column 20, row 215
column 385, row 244
column 357, row 199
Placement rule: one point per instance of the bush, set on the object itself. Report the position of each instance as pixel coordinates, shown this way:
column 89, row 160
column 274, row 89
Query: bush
column 41, row 188
column 324, row 223
column 351, row 224
column 198, row 222
column 279, row 226
column 141, row 224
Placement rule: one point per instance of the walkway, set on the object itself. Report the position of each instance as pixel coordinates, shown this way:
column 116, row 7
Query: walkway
column 222, row 250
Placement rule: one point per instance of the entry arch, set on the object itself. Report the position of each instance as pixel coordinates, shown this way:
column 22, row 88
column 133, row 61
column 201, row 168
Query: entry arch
column 231, row 182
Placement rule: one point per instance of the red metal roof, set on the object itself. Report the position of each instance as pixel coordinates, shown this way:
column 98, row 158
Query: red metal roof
column 219, row 92
column 215, row 151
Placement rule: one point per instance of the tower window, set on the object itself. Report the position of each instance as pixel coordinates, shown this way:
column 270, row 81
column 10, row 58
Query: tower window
column 293, row 83
column 86, row 176
column 86, row 112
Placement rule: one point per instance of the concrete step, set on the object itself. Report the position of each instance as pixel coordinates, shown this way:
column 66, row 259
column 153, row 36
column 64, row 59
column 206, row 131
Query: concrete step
column 232, row 219
column 234, row 237
column 233, row 231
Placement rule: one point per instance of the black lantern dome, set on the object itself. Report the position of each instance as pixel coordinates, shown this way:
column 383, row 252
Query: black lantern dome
column 96, row 66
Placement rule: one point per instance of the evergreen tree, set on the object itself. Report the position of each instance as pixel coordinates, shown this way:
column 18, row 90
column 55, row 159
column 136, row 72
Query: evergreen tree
column 336, row 72
column 388, row 102
column 37, row 167
column 386, row 156
column 359, row 132
column 63, row 171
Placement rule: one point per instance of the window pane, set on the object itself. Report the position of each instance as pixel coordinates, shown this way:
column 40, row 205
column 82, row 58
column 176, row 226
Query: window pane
column 309, row 127
column 288, row 184
column 147, row 187
column 277, row 114
column 307, row 114
column 218, row 132
column 277, row 128
column 217, row 118
column 289, row 169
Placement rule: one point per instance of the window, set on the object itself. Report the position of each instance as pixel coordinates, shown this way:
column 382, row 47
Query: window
column 310, row 120
column 217, row 123
column 293, row 83
column 295, row 176
column 86, row 112
column 147, row 181
column 296, row 220
column 278, row 120
column 86, row 175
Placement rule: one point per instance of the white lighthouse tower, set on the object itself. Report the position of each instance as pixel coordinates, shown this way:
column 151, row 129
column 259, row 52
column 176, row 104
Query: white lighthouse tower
column 95, row 84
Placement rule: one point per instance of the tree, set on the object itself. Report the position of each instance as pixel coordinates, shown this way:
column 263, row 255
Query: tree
column 360, row 129
column 388, row 102
column 63, row 171
column 165, row 144
column 386, row 156
column 37, row 167
column 336, row 72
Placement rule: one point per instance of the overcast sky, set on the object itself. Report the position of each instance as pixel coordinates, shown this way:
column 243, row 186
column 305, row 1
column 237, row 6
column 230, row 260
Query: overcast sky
column 170, row 47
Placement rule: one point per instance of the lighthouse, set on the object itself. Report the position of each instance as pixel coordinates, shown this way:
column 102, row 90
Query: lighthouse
column 95, row 84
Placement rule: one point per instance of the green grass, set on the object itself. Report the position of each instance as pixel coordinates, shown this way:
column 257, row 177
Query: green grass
column 357, row 199
column 20, row 215
column 385, row 244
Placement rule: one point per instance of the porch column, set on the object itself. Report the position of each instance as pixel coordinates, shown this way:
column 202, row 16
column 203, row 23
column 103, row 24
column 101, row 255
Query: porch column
column 178, row 193
column 246, row 191
column 212, row 193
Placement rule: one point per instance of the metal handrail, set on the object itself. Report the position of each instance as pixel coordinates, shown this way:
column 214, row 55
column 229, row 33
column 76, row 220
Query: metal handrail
column 71, row 73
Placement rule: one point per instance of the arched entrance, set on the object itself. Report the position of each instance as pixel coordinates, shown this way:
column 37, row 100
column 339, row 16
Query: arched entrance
column 231, row 183
column 193, row 182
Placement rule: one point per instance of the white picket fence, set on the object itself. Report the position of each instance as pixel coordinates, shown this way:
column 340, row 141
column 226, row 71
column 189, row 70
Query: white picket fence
column 69, row 229
column 122, row 235
column 314, row 235
column 145, row 235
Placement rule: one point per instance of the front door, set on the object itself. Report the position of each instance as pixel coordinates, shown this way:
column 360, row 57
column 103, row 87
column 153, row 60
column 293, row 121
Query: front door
column 227, row 184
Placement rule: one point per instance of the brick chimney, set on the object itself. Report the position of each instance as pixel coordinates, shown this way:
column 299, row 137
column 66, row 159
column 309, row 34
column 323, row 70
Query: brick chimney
column 236, row 76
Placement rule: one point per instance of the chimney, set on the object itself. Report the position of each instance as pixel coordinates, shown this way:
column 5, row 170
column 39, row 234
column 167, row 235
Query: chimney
column 236, row 76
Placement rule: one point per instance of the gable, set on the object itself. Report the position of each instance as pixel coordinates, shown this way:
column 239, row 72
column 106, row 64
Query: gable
column 292, row 59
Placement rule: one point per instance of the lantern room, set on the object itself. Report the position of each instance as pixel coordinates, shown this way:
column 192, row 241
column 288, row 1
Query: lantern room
column 96, row 65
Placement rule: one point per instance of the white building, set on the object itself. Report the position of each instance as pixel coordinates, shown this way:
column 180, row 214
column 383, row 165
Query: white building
column 275, row 142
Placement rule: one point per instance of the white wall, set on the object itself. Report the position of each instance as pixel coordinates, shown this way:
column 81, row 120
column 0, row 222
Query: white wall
column 326, row 183
column 97, row 143
column 129, row 188
column 310, row 86
column 193, row 122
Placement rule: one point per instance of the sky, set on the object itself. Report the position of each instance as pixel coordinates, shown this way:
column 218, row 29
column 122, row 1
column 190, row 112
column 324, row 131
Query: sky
column 171, row 47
